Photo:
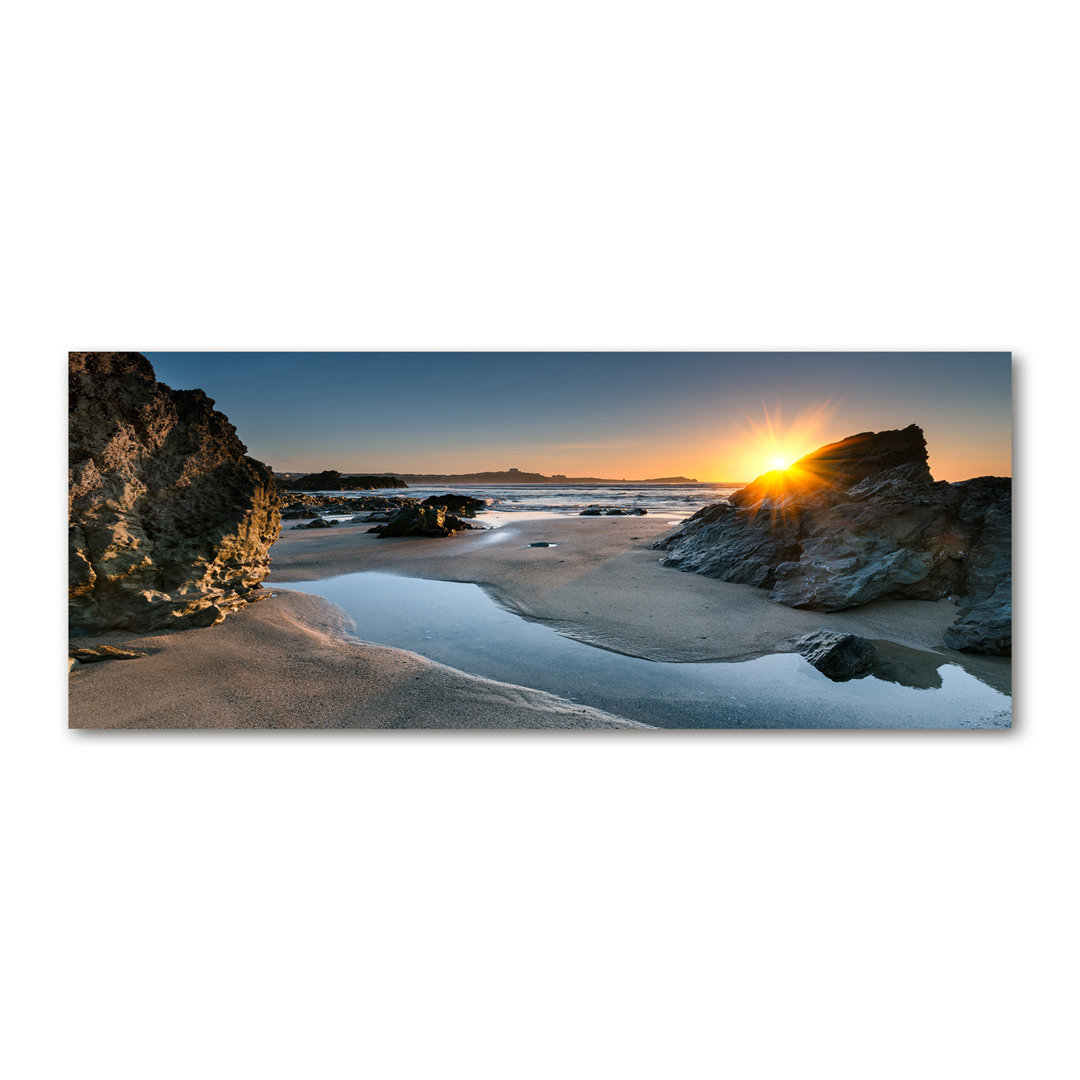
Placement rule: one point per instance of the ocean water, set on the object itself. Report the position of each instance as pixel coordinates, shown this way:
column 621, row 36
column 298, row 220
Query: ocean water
column 679, row 500
column 460, row 625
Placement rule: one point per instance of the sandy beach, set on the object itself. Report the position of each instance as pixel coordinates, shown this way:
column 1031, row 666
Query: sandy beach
column 293, row 661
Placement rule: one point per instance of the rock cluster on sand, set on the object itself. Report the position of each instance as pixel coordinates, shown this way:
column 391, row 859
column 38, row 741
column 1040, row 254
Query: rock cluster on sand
column 303, row 505
column 422, row 521
column 464, row 505
column 612, row 511
column 862, row 520
column 170, row 522
column 316, row 523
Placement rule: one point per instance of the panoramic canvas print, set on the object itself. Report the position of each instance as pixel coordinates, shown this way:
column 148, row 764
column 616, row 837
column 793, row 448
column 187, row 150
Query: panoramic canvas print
column 540, row 540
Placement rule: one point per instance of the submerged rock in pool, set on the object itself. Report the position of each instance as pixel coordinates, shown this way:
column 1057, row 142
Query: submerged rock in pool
column 837, row 656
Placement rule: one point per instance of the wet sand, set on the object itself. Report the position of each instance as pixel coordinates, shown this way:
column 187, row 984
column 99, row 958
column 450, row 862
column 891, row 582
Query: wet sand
column 284, row 662
column 604, row 584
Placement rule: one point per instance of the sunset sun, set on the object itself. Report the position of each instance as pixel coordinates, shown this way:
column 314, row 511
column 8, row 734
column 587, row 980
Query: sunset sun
column 774, row 445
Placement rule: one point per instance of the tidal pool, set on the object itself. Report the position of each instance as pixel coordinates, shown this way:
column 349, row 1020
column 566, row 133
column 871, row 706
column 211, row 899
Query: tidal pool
column 460, row 625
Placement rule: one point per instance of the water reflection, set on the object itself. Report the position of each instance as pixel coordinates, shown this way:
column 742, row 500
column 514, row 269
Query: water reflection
column 907, row 667
column 460, row 625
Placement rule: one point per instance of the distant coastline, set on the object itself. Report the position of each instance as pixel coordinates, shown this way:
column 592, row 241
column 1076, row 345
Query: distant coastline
column 519, row 476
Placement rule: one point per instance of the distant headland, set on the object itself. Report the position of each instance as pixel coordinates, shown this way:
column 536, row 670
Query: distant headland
column 504, row 476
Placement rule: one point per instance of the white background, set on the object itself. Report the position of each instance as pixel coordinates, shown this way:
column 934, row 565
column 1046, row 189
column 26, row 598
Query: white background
column 568, row 174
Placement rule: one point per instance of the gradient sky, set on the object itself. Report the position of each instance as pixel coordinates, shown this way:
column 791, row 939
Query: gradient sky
column 711, row 416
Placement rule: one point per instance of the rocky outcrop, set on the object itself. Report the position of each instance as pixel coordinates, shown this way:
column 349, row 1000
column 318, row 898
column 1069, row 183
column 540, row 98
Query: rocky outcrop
column 304, row 505
column 422, row 521
column 317, row 523
column 863, row 520
column 332, row 480
column 464, row 505
column 170, row 522
column 612, row 511
column 842, row 464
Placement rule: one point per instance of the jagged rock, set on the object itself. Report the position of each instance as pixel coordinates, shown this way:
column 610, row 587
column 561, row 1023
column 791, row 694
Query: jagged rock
column 170, row 523
column 840, row 465
column 613, row 511
column 316, row 523
column 464, row 505
column 827, row 534
column 839, row 657
column 422, row 521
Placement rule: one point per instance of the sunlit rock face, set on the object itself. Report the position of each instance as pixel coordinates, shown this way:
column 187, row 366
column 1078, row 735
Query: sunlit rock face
column 170, row 522
column 840, row 465
column 863, row 520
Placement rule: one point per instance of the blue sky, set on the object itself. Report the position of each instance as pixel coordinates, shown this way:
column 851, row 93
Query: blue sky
column 632, row 415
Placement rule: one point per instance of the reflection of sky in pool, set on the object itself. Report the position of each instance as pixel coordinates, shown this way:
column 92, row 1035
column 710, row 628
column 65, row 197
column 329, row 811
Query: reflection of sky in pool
column 460, row 625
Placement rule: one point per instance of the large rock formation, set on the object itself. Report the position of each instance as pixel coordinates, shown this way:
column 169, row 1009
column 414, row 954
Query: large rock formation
column 861, row 520
column 170, row 523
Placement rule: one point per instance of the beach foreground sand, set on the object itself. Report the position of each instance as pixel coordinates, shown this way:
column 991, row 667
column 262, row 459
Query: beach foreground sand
column 287, row 661
column 283, row 663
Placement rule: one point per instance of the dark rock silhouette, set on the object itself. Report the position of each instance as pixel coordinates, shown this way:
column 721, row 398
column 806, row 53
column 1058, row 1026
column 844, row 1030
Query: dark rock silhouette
column 862, row 520
column 170, row 522
column 841, row 465
column 465, row 505
column 316, row 523
column 422, row 521
column 332, row 480
column 517, row 476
